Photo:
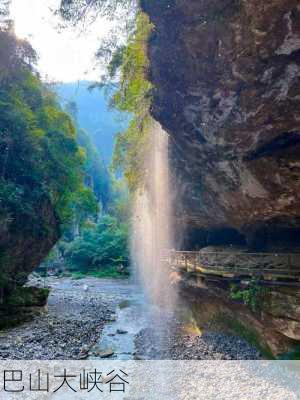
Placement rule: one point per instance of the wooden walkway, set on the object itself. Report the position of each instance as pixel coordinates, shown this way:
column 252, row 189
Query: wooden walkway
column 281, row 267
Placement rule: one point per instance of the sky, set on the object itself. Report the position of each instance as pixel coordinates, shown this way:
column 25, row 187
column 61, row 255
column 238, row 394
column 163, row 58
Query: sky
column 66, row 55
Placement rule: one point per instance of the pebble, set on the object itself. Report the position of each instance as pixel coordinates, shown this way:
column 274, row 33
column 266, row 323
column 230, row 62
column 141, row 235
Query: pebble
column 69, row 328
column 172, row 344
column 66, row 330
column 121, row 332
column 106, row 353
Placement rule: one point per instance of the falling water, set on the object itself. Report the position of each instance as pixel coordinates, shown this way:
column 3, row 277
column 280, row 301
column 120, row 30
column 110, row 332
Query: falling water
column 152, row 227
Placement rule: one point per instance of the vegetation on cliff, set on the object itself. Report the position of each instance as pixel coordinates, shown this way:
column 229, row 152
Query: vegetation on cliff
column 41, row 164
column 128, row 65
column 53, row 181
column 134, row 96
column 39, row 153
column 94, row 114
column 40, row 156
column 96, row 242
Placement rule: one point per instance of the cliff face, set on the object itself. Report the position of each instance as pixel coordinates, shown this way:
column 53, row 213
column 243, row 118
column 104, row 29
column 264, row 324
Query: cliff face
column 24, row 243
column 227, row 79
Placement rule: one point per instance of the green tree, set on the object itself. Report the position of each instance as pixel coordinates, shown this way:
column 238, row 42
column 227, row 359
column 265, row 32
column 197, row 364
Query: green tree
column 96, row 175
column 100, row 247
column 39, row 155
column 134, row 96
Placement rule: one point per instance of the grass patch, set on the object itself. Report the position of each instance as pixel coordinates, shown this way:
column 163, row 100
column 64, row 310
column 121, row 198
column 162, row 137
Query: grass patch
column 110, row 272
column 78, row 275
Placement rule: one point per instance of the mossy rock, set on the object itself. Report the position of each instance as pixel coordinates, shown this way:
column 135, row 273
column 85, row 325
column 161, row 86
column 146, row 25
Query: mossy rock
column 11, row 317
column 27, row 297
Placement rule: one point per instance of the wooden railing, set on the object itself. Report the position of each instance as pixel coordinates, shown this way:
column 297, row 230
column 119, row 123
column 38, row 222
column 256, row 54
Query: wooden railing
column 231, row 264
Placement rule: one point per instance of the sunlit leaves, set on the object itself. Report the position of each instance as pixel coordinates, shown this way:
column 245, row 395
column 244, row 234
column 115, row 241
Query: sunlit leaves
column 16, row 55
column 134, row 96
column 39, row 154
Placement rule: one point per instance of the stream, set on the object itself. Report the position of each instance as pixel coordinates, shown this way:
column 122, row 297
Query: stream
column 109, row 318
column 117, row 340
column 138, row 331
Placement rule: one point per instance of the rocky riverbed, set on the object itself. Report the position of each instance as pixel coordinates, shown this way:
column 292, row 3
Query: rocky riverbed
column 171, row 343
column 71, row 323
column 72, row 327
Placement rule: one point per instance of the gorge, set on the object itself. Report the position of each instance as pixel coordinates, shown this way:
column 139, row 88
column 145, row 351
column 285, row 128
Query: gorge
column 210, row 152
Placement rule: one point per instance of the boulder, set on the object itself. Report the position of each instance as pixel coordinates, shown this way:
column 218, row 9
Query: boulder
column 25, row 242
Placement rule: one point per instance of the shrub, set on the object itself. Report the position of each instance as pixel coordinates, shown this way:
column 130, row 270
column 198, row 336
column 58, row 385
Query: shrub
column 100, row 248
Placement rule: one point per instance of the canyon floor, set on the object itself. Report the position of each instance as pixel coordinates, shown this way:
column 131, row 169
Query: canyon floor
column 97, row 318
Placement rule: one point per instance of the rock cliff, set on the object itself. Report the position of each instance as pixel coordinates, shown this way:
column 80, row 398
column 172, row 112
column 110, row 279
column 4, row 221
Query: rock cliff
column 227, row 90
column 25, row 242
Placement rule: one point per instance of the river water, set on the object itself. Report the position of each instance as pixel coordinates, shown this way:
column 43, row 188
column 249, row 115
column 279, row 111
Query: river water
column 118, row 336
column 139, row 331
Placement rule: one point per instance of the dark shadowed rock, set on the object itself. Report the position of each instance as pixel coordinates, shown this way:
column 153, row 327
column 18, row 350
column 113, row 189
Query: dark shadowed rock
column 121, row 332
column 24, row 242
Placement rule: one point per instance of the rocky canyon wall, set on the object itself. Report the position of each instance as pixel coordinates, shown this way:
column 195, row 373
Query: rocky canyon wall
column 227, row 89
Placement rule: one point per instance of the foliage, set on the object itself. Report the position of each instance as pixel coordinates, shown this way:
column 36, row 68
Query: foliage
column 41, row 164
column 109, row 272
column 116, row 60
column 96, row 175
column 62, row 257
column 122, row 12
column 134, row 96
column 252, row 296
column 119, row 206
column 76, row 10
column 129, row 67
column 94, row 116
column 15, row 55
column 100, row 247
column 39, row 154
column 84, row 206
column 110, row 193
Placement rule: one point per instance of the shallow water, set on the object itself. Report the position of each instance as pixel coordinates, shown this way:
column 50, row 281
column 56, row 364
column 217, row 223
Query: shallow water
column 148, row 332
column 131, row 317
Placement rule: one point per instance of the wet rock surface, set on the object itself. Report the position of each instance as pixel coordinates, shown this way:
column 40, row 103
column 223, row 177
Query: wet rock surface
column 68, row 327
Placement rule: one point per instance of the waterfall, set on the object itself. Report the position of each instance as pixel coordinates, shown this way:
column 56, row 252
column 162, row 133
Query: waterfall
column 152, row 224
